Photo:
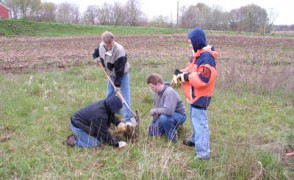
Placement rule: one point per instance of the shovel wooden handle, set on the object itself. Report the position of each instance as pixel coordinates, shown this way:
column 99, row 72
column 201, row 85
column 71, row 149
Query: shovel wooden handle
column 117, row 91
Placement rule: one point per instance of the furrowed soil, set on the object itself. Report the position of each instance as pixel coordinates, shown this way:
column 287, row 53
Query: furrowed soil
column 244, row 53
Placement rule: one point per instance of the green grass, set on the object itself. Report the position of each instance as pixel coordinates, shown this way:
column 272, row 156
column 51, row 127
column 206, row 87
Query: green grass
column 35, row 111
column 14, row 27
column 40, row 29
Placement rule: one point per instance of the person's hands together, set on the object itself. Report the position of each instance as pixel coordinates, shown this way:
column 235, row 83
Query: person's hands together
column 122, row 144
column 178, row 78
column 182, row 77
column 175, row 83
column 152, row 112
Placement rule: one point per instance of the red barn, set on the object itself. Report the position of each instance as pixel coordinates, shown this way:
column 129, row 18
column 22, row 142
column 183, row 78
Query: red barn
column 4, row 12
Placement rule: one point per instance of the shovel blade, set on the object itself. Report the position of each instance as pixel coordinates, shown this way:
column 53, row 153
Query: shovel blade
column 134, row 120
column 132, row 129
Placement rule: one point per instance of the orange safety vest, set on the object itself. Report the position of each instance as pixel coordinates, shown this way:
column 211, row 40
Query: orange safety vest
column 200, row 88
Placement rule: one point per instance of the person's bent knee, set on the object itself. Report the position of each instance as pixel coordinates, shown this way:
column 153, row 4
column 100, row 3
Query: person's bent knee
column 163, row 119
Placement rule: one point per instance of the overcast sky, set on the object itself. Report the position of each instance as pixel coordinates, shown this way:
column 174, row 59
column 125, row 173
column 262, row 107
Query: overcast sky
column 283, row 8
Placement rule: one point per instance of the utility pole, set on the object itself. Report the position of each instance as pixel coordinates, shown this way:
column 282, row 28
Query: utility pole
column 177, row 16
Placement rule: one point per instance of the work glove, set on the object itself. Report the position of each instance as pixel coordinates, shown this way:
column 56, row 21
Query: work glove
column 129, row 123
column 133, row 122
column 175, row 83
column 121, row 127
column 183, row 77
column 122, row 144
column 97, row 60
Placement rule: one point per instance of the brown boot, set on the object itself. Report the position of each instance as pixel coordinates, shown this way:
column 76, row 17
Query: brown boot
column 70, row 140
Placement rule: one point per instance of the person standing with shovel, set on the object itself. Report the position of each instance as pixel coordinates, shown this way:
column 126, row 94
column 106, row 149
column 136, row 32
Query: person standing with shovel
column 111, row 55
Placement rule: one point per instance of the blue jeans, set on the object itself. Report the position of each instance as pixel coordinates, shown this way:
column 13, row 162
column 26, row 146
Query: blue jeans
column 125, row 91
column 200, row 135
column 83, row 139
column 167, row 124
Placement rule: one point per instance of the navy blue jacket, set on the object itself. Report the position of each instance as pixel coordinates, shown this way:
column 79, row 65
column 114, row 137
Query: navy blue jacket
column 198, row 40
column 95, row 119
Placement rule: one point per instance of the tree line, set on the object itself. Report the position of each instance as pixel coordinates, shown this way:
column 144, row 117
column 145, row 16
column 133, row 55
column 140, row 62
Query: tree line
column 250, row 18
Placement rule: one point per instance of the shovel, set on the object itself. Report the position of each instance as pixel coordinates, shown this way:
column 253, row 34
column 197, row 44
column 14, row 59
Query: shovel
column 135, row 118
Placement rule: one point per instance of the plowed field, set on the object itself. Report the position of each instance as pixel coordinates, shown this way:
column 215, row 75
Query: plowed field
column 19, row 53
column 267, row 58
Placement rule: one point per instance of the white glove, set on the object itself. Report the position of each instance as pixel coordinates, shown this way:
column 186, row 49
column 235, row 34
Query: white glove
column 122, row 144
column 133, row 122
column 121, row 127
column 96, row 60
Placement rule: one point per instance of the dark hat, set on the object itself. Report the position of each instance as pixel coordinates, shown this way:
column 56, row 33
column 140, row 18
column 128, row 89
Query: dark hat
column 113, row 103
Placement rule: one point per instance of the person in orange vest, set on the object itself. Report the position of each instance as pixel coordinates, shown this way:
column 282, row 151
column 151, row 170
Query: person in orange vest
column 197, row 81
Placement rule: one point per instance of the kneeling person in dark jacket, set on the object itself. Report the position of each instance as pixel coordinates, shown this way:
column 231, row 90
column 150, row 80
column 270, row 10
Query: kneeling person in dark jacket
column 90, row 125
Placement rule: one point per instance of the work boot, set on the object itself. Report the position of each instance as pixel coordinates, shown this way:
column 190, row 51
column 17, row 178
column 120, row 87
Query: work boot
column 70, row 140
column 188, row 143
column 202, row 158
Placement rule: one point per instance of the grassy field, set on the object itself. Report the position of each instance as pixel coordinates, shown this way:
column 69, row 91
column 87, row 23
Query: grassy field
column 250, row 118
column 39, row 29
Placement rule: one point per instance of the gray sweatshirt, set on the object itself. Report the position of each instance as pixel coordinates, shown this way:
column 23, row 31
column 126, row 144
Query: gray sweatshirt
column 168, row 101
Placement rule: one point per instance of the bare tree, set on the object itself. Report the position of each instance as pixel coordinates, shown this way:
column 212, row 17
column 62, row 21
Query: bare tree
column 219, row 20
column 257, row 18
column 134, row 12
column 34, row 10
column 14, row 8
column 28, row 7
column 204, row 15
column 119, row 14
column 272, row 15
column 250, row 18
column 47, row 12
column 188, row 19
column 235, row 18
column 198, row 15
column 104, row 15
column 67, row 13
column 90, row 15
column 22, row 8
column 160, row 21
